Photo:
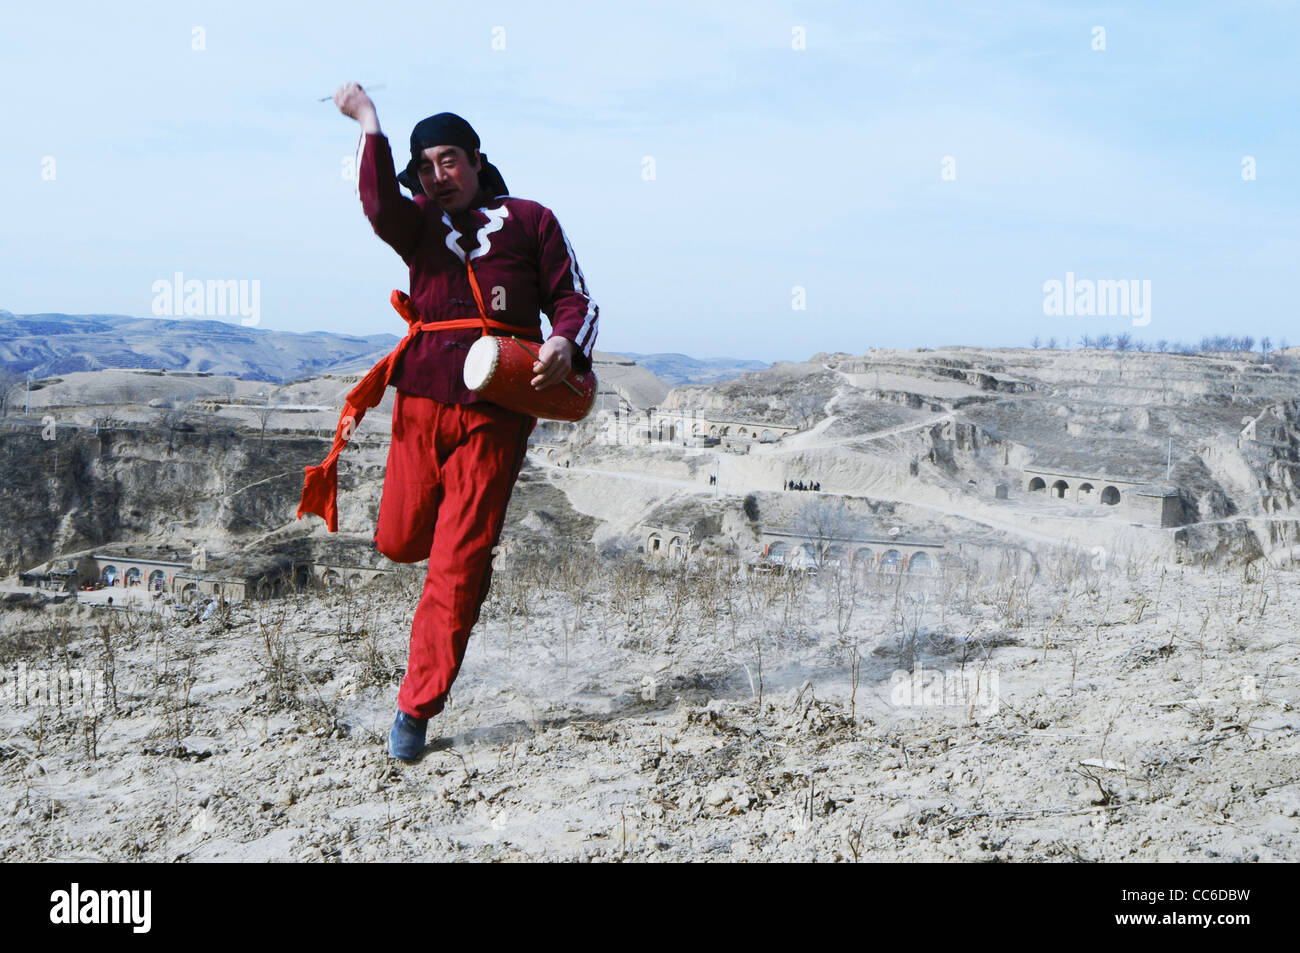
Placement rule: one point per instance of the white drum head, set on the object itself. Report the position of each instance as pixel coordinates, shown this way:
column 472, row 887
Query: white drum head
column 481, row 362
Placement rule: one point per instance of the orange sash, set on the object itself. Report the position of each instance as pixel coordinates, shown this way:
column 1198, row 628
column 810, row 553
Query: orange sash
column 320, row 486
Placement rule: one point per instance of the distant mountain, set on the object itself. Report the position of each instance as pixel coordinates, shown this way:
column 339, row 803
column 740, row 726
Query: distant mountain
column 678, row 369
column 52, row 344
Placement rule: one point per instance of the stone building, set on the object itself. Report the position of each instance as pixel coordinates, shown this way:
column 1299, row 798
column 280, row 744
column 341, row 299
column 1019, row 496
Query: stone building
column 689, row 428
column 874, row 553
column 1157, row 504
column 664, row 542
column 197, row 576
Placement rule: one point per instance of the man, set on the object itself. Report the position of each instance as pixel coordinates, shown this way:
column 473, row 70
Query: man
column 476, row 256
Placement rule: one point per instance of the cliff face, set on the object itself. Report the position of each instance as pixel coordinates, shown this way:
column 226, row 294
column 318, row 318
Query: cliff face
column 80, row 489
column 227, row 490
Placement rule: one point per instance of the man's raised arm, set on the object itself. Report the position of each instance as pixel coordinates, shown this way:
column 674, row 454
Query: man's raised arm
column 395, row 218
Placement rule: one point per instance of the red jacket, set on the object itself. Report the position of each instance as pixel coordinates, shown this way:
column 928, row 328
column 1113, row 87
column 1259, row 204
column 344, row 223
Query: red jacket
column 521, row 257
column 523, row 264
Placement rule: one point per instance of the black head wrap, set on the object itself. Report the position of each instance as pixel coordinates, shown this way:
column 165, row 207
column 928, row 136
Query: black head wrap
column 448, row 129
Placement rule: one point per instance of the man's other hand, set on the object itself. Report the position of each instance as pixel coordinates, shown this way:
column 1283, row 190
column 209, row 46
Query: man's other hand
column 556, row 360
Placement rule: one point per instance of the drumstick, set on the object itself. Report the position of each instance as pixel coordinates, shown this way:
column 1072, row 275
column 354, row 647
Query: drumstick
column 369, row 89
column 534, row 355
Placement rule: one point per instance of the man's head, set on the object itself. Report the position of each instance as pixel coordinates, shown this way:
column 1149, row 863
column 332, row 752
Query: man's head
column 447, row 166
column 449, row 176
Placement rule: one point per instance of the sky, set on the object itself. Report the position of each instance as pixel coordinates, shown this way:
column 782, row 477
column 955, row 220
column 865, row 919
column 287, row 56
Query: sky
column 759, row 180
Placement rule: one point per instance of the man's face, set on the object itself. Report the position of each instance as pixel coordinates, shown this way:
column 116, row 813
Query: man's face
column 448, row 177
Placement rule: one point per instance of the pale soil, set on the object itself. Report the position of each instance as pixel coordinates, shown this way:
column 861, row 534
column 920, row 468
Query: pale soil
column 616, row 717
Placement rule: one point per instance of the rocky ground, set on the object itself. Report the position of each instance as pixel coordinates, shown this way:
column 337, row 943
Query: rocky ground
column 613, row 711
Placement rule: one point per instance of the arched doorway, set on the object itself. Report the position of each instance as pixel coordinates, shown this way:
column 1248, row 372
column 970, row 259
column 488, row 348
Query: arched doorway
column 1059, row 489
column 891, row 560
column 1110, row 496
column 1036, row 484
column 109, row 575
column 133, row 577
column 920, row 562
column 803, row 556
column 157, row 581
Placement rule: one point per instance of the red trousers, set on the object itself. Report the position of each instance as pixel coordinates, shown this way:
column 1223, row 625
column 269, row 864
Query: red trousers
column 451, row 470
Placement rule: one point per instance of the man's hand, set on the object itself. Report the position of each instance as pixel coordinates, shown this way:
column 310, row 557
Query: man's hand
column 556, row 362
column 353, row 102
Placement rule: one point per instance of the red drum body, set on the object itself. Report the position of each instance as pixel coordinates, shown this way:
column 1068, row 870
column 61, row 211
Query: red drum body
column 499, row 369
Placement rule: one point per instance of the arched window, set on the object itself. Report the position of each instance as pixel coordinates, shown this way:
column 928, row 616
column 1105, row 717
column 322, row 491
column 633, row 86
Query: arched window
column 892, row 559
column 109, row 575
column 157, row 580
column 132, row 577
column 1110, row 496
column 864, row 558
column 653, row 542
column 776, row 552
column 920, row 562
column 1085, row 492
column 332, row 579
column 1037, row 483
column 803, row 556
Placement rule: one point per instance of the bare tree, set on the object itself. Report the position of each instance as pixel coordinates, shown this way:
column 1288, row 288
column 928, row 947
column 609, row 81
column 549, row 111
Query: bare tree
column 823, row 522
column 265, row 410
column 180, row 416
column 10, row 378
column 806, row 409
